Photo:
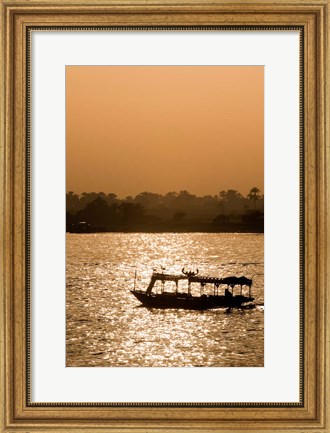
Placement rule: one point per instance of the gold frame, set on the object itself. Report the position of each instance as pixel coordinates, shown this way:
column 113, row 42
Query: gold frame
column 17, row 414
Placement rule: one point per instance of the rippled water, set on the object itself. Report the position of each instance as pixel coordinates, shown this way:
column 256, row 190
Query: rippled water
column 105, row 326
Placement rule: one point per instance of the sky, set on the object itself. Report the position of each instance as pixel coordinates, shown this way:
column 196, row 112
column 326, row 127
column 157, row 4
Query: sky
column 131, row 129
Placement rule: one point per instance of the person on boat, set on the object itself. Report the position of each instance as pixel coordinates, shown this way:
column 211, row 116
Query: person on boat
column 228, row 294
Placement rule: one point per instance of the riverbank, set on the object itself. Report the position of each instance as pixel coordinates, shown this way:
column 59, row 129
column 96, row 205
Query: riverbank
column 166, row 227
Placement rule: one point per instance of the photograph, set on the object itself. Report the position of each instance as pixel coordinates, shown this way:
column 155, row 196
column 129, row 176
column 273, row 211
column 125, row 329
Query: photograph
column 164, row 216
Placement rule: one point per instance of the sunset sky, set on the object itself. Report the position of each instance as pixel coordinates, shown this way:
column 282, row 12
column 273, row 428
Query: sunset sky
column 131, row 129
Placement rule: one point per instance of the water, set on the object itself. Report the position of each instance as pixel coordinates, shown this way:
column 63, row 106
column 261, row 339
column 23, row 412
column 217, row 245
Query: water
column 105, row 326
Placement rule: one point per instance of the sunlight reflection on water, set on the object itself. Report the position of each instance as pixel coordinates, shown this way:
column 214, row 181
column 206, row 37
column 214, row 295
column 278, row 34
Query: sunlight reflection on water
column 105, row 326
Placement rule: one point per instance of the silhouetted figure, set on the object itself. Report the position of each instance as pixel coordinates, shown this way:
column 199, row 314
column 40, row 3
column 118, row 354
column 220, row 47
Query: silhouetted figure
column 228, row 294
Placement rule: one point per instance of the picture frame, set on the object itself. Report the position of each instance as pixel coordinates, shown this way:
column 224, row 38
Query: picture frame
column 17, row 412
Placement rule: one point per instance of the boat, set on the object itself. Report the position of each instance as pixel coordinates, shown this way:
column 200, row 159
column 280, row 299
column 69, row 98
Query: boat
column 222, row 296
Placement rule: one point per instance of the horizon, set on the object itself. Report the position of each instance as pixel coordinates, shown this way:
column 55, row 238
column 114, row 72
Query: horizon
column 164, row 194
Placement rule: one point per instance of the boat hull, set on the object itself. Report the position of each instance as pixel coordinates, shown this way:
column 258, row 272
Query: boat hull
column 181, row 301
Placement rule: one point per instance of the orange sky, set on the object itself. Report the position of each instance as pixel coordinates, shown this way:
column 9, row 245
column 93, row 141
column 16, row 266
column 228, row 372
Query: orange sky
column 131, row 129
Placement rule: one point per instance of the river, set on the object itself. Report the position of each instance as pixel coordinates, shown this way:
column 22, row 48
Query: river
column 107, row 327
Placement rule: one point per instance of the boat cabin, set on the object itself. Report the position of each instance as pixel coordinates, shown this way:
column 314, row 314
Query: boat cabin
column 203, row 283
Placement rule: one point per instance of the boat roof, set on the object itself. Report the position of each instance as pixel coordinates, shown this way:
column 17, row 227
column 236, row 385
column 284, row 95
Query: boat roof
column 168, row 277
column 193, row 279
column 203, row 279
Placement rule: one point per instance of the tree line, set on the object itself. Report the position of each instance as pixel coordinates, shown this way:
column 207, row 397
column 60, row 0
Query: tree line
column 172, row 211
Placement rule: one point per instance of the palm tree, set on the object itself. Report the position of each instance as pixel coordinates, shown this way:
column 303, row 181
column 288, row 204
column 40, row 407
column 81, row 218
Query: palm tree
column 255, row 195
column 112, row 198
column 87, row 197
column 185, row 198
column 148, row 199
column 170, row 198
column 72, row 202
column 231, row 199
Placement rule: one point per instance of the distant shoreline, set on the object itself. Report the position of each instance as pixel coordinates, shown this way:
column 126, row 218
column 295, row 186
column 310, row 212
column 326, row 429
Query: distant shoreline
column 182, row 212
column 230, row 228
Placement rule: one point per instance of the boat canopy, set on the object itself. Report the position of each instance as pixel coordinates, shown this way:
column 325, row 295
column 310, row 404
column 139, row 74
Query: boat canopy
column 168, row 277
column 230, row 281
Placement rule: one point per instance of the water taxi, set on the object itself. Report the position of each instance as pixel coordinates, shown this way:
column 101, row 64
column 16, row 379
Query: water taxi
column 228, row 292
